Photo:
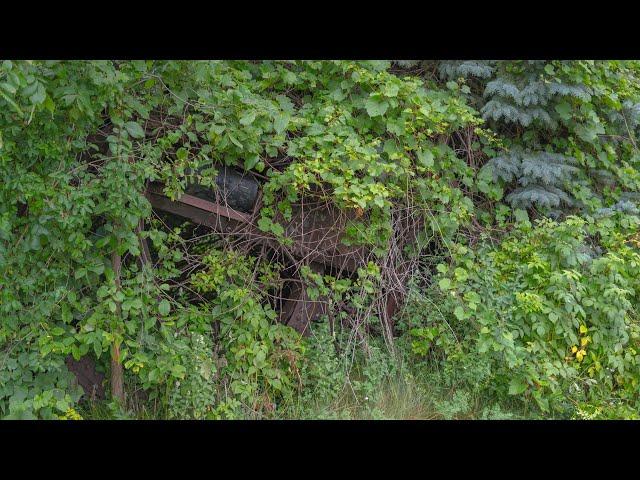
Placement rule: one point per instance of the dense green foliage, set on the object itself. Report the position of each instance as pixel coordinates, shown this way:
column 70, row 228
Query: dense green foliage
column 521, row 178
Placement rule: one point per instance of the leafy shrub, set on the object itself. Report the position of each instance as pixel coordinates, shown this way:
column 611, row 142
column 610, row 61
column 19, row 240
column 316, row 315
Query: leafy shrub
column 262, row 357
column 552, row 309
column 324, row 372
column 195, row 396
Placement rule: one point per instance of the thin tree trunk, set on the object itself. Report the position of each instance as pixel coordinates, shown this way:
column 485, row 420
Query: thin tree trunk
column 117, row 374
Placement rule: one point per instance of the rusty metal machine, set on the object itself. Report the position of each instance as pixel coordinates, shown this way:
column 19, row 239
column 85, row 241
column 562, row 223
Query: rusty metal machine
column 315, row 231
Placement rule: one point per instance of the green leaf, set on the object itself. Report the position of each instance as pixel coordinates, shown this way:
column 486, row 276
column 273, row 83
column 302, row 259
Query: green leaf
column 235, row 141
column 251, row 162
column 275, row 383
column 444, row 284
column 425, row 157
column 154, row 375
column 12, row 103
column 461, row 274
column 8, row 88
column 49, row 105
column 97, row 348
column 564, row 110
column 459, row 313
column 248, row 118
column 376, row 108
column 98, row 268
column 62, row 405
column 182, row 153
column 277, row 229
column 56, row 332
column 164, row 307
column 178, row 371
column 264, row 224
column 521, row 216
column 38, row 97
column 216, row 130
column 280, row 123
column 517, row 386
column 134, row 129
column 391, row 90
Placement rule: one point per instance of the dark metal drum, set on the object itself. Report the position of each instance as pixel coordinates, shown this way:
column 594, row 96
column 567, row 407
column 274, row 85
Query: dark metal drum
column 234, row 189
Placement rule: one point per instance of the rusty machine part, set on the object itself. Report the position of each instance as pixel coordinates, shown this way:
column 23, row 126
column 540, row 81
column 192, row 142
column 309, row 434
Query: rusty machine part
column 87, row 377
column 315, row 230
column 298, row 310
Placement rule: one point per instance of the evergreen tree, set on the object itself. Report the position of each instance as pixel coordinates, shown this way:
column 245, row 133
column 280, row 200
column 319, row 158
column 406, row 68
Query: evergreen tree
column 453, row 69
column 538, row 175
column 519, row 102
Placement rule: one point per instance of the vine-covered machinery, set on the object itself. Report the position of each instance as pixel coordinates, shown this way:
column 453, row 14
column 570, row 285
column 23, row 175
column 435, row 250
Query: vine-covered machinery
column 315, row 231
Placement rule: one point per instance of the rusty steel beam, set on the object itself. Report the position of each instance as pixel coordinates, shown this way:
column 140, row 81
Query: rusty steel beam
column 203, row 217
column 205, row 205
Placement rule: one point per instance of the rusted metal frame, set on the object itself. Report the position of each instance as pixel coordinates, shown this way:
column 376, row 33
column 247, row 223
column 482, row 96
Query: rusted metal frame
column 394, row 300
column 316, row 234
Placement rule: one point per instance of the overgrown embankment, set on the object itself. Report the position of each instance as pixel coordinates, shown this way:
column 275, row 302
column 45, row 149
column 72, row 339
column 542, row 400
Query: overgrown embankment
column 496, row 203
